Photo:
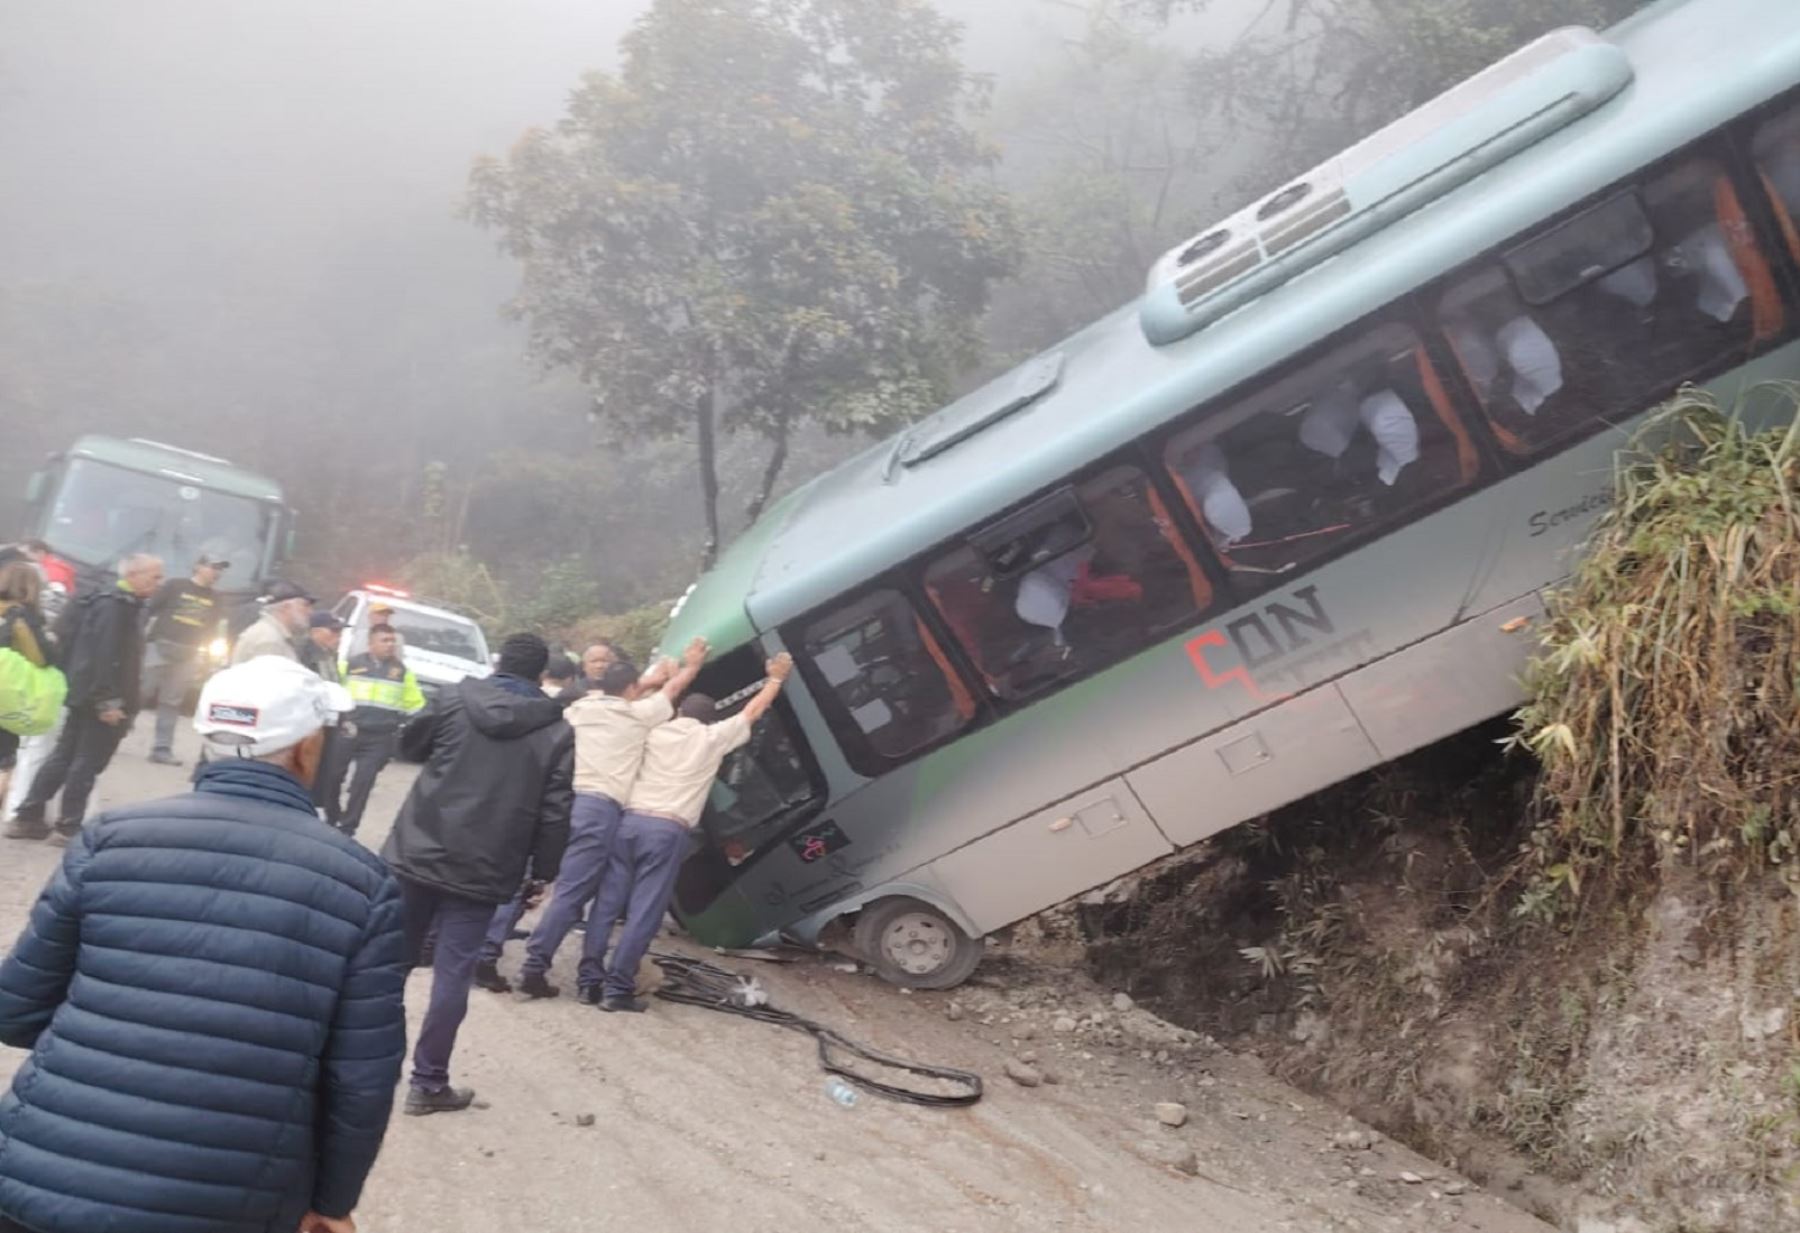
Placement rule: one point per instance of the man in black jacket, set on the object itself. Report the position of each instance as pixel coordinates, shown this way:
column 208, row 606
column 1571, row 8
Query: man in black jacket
column 493, row 797
column 102, row 641
column 184, row 617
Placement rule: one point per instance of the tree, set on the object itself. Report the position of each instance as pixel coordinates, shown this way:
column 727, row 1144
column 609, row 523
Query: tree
column 772, row 216
column 1307, row 78
column 1108, row 166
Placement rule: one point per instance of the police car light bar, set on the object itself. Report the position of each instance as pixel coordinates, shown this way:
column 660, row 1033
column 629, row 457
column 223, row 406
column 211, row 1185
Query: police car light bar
column 383, row 589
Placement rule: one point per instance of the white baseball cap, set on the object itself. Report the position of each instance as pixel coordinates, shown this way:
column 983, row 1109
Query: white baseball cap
column 265, row 705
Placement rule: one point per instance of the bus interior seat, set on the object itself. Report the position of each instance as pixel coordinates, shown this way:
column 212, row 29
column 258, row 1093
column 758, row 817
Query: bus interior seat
column 1720, row 288
column 1503, row 351
column 1206, row 473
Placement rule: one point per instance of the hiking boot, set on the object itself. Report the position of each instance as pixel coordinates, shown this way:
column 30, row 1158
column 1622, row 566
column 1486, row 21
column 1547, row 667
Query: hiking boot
column 615, row 1005
column 589, row 995
column 487, row 976
column 419, row 1102
column 63, row 832
column 163, row 757
column 534, row 985
column 24, row 826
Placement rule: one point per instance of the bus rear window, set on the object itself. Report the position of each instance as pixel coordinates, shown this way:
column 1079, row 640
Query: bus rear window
column 885, row 680
column 1340, row 449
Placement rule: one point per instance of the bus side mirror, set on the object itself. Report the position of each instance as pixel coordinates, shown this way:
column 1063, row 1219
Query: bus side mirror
column 34, row 488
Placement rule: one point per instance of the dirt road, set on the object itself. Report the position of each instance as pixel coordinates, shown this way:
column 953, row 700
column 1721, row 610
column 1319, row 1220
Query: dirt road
column 703, row 1121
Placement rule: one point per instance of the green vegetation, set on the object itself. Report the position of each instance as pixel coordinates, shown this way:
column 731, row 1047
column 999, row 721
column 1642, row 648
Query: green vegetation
column 1665, row 705
column 772, row 217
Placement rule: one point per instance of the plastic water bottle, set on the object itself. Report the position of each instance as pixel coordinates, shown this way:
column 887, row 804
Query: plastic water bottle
column 841, row 1092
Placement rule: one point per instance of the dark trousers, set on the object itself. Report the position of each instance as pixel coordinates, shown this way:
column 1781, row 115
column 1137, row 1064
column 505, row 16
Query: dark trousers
column 500, row 927
column 168, row 674
column 593, row 822
column 640, row 880
column 460, row 926
column 327, row 759
column 82, row 752
column 370, row 751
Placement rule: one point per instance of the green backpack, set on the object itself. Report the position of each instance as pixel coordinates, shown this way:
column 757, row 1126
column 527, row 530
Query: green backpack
column 31, row 697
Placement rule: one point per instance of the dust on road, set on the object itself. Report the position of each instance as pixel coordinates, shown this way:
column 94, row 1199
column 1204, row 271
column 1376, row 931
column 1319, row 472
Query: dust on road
column 703, row 1121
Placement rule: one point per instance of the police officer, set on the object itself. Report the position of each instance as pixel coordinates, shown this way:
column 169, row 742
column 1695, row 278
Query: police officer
column 385, row 693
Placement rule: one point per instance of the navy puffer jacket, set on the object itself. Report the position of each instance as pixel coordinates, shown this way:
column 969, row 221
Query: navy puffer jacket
column 211, row 990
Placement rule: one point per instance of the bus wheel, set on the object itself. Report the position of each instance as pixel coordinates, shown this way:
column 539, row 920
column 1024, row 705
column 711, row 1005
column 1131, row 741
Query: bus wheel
column 913, row 945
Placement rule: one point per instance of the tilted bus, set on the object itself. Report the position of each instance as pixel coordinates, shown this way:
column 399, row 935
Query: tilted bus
column 1288, row 517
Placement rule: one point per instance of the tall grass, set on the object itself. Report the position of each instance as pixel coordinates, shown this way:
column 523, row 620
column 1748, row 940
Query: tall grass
column 1665, row 701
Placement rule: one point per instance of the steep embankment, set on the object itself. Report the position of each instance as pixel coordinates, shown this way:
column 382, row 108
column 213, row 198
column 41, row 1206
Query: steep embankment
column 1579, row 960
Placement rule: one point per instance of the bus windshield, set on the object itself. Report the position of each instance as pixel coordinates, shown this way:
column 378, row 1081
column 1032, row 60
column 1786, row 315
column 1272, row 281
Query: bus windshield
column 101, row 512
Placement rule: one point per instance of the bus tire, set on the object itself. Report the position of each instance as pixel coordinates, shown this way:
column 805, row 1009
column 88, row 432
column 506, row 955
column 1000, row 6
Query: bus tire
column 912, row 944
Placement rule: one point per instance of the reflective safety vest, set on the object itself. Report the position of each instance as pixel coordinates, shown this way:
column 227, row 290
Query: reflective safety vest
column 384, row 691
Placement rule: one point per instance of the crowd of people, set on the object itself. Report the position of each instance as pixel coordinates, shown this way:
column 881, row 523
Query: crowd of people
column 211, row 985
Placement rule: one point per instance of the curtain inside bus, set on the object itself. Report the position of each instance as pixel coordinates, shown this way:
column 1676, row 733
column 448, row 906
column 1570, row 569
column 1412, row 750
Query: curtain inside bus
column 1776, row 148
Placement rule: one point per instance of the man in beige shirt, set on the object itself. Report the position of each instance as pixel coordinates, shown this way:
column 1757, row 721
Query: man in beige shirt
column 286, row 616
column 681, row 759
column 612, row 723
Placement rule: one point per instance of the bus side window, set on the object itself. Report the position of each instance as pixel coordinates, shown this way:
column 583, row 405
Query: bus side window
column 1073, row 582
column 1600, row 315
column 1776, row 149
column 1341, row 448
column 887, row 678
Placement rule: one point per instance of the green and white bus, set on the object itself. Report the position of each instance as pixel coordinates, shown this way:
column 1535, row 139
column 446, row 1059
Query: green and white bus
column 1288, row 517
column 105, row 498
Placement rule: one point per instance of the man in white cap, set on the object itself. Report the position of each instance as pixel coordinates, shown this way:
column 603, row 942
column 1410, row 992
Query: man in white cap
column 210, row 987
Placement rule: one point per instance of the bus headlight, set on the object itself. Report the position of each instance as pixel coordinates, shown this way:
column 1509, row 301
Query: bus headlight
column 217, row 650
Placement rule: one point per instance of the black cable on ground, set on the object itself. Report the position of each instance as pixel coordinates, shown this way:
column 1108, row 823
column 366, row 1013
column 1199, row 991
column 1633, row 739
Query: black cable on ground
column 693, row 982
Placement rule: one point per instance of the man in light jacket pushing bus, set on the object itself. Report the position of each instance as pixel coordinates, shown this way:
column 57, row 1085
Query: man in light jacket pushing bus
column 681, row 760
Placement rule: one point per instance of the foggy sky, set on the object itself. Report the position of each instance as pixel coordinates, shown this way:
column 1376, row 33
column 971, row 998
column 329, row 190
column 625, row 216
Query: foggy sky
column 273, row 184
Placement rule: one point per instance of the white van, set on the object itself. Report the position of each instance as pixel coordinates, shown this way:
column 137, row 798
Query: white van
column 439, row 645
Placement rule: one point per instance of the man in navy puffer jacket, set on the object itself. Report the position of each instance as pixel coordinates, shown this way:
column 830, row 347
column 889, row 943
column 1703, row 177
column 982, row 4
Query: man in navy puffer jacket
column 210, row 986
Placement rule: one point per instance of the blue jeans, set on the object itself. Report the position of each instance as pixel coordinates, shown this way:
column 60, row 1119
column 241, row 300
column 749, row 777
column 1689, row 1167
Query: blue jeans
column 593, row 823
column 460, row 926
column 500, row 927
column 639, row 881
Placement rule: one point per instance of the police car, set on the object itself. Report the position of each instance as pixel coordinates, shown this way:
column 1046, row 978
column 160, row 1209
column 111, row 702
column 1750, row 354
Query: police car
column 440, row 645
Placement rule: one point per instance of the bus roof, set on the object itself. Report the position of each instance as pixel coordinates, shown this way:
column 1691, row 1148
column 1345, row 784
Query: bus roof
column 157, row 458
column 1697, row 65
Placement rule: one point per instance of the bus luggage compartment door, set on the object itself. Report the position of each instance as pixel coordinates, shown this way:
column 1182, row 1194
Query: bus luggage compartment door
column 1280, row 755
column 1468, row 673
column 1023, row 868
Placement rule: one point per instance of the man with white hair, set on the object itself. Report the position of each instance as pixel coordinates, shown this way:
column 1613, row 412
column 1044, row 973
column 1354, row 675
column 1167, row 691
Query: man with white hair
column 286, row 617
column 101, row 637
column 210, row 986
